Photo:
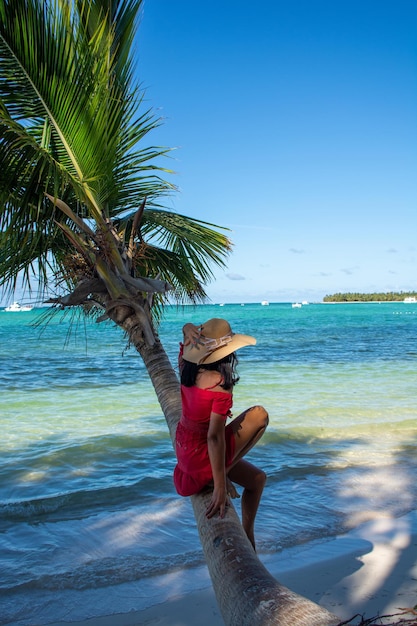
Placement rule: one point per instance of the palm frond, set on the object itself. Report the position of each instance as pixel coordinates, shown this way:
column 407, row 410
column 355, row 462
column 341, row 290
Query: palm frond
column 170, row 245
column 73, row 126
column 189, row 238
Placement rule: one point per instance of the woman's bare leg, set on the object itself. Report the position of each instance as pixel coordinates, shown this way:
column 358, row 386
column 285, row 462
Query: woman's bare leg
column 248, row 428
column 253, row 481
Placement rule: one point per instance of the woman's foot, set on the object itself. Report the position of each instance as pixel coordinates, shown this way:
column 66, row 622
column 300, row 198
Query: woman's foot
column 231, row 489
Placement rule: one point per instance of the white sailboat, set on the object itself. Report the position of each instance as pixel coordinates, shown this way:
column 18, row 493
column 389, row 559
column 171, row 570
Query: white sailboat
column 18, row 308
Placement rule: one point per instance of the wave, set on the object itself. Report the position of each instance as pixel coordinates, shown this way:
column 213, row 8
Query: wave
column 109, row 571
column 71, row 505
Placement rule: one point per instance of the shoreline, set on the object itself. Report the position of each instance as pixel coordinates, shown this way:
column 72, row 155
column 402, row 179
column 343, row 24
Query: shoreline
column 370, row 571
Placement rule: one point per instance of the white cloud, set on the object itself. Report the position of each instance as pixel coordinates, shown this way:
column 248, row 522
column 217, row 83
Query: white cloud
column 235, row 277
column 349, row 270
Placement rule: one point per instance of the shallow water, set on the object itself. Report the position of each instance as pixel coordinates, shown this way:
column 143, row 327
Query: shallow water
column 86, row 494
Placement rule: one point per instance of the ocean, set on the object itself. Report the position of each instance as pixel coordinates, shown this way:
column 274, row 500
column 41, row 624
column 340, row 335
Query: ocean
column 87, row 502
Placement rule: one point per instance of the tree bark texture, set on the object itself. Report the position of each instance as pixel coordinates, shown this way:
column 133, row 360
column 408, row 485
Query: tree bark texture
column 247, row 594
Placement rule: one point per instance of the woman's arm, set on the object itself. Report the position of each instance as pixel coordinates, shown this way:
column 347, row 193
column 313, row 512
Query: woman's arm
column 191, row 333
column 217, row 450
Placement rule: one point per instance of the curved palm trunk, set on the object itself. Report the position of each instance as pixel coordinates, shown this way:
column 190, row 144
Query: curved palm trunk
column 246, row 592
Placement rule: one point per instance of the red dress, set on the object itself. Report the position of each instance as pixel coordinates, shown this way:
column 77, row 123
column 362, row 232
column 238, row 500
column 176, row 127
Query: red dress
column 193, row 469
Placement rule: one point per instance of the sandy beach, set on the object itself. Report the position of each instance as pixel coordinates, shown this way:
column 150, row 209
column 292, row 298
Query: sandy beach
column 370, row 571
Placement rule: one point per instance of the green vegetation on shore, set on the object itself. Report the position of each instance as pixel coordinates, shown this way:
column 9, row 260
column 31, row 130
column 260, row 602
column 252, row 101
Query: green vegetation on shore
column 391, row 296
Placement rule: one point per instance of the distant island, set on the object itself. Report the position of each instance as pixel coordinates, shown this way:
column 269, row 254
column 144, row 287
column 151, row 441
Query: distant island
column 391, row 296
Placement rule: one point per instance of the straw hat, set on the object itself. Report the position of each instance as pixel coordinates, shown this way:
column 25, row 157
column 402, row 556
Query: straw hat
column 217, row 341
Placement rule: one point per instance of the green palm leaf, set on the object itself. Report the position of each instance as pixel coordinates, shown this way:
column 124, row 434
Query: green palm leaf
column 73, row 128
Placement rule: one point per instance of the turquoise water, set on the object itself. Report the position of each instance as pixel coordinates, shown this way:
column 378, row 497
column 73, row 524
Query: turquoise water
column 86, row 495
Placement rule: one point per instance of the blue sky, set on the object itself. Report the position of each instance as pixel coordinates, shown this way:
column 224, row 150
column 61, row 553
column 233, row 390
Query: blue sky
column 296, row 128
column 295, row 124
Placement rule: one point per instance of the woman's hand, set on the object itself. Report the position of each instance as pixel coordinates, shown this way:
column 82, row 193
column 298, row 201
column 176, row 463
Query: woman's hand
column 192, row 334
column 219, row 501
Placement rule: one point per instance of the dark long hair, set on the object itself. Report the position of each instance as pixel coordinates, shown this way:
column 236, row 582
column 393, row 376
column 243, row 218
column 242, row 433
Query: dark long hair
column 226, row 368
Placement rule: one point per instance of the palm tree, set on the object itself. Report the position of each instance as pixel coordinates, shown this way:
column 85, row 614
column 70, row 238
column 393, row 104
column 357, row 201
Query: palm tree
column 80, row 209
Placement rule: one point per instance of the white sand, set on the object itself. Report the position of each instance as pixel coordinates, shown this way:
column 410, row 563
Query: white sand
column 369, row 571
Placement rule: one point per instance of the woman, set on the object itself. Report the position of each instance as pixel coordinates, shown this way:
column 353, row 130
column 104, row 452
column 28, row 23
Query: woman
column 208, row 451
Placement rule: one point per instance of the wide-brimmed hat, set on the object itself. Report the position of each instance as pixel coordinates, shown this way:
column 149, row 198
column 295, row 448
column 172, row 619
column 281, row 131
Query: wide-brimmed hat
column 217, row 341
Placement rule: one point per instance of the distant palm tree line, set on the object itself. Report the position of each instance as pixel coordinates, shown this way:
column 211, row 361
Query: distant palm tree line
column 390, row 296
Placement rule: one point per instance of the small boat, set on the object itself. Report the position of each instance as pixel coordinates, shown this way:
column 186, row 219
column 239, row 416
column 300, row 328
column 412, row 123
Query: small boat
column 265, row 303
column 296, row 305
column 17, row 308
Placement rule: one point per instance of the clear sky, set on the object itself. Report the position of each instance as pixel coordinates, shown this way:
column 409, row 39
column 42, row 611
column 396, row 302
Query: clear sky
column 296, row 128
